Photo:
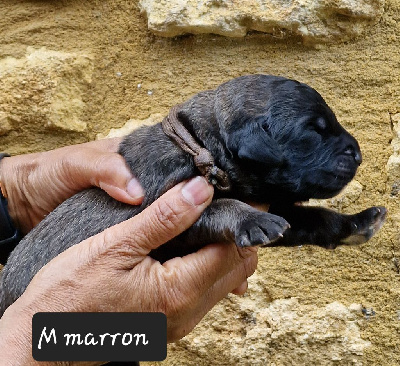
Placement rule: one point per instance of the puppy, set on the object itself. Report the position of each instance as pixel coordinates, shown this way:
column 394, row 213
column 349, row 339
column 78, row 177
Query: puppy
column 275, row 140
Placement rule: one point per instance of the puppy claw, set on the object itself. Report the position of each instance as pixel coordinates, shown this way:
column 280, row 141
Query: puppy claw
column 244, row 242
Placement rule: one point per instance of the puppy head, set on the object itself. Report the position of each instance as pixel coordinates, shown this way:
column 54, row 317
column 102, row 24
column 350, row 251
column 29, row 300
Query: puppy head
column 284, row 134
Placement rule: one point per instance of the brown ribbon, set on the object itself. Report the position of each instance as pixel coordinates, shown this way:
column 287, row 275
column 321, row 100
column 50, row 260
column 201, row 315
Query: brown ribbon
column 203, row 159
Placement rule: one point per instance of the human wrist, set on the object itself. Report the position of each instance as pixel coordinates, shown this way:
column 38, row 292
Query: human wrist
column 16, row 341
column 16, row 335
column 14, row 178
column 15, row 338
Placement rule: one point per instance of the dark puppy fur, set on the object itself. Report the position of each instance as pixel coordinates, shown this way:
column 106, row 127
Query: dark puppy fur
column 278, row 141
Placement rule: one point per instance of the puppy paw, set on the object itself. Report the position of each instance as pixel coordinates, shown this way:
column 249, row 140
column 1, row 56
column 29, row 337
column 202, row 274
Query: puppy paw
column 364, row 225
column 260, row 228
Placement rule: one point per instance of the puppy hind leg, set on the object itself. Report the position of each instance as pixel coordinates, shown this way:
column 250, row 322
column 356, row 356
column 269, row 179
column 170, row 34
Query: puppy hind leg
column 327, row 228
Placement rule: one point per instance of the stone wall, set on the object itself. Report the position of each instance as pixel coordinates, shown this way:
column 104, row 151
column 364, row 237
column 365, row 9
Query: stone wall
column 70, row 71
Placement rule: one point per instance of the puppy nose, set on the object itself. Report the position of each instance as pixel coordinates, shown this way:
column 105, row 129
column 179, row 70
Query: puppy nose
column 355, row 153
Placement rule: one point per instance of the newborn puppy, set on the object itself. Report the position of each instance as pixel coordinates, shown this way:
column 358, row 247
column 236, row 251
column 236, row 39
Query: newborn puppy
column 277, row 142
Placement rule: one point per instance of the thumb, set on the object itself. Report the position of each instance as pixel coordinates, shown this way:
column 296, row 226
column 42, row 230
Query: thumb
column 165, row 218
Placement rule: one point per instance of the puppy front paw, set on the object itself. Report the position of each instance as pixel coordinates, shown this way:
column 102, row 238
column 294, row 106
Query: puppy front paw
column 260, row 228
column 365, row 224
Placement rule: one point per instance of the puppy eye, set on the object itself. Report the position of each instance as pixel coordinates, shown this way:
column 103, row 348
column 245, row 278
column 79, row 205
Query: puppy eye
column 320, row 124
column 266, row 129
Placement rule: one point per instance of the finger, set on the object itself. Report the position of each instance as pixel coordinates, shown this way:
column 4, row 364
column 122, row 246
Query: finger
column 241, row 289
column 109, row 144
column 204, row 268
column 203, row 302
column 259, row 206
column 164, row 219
column 235, row 279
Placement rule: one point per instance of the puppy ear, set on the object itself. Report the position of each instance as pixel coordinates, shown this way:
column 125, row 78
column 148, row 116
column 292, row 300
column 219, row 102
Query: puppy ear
column 253, row 142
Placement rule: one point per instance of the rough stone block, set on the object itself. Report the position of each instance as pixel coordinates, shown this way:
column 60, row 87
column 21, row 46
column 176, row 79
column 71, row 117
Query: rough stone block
column 350, row 194
column 131, row 125
column 393, row 164
column 45, row 88
column 285, row 332
column 314, row 20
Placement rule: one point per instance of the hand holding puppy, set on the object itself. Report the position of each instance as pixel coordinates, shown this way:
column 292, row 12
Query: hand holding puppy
column 35, row 184
column 112, row 271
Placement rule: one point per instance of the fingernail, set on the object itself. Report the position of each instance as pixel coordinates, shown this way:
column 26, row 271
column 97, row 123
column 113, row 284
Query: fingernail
column 197, row 191
column 134, row 189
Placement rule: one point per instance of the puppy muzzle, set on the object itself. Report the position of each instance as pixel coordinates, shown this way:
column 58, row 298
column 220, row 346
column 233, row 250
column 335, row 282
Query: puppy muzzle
column 349, row 157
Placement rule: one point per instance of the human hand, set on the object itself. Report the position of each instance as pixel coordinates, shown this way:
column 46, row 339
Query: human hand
column 112, row 271
column 35, row 184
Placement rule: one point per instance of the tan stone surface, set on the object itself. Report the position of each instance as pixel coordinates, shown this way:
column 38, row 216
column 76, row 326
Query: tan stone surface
column 47, row 88
column 131, row 125
column 255, row 331
column 393, row 164
column 359, row 79
column 251, row 336
column 313, row 20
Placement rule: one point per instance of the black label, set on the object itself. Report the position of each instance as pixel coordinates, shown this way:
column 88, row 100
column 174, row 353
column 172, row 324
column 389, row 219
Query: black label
column 99, row 336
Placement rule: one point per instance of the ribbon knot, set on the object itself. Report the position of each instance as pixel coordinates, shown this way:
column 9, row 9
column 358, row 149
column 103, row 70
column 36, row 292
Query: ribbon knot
column 202, row 157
